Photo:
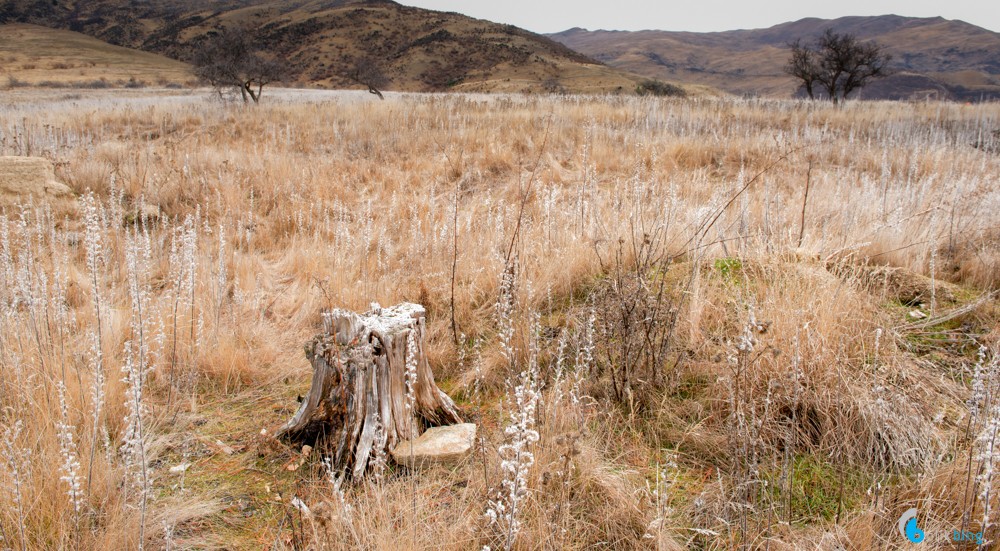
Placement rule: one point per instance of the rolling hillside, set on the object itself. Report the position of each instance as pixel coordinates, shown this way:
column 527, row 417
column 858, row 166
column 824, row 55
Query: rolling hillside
column 33, row 55
column 420, row 50
column 931, row 56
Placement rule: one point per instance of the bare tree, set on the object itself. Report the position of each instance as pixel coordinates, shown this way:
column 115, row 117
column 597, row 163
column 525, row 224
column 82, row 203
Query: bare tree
column 231, row 60
column 838, row 63
column 803, row 65
column 367, row 73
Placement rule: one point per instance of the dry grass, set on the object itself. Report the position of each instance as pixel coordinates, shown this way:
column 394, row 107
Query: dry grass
column 849, row 412
column 37, row 56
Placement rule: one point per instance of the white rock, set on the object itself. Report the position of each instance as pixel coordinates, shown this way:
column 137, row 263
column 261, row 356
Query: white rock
column 30, row 176
column 148, row 211
column 445, row 445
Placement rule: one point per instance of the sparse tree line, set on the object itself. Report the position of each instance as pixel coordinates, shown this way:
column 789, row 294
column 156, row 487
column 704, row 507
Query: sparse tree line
column 834, row 66
column 233, row 60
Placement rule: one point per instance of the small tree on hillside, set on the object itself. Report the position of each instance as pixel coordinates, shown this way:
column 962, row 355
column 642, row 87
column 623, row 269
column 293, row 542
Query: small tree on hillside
column 837, row 63
column 231, row 60
column 367, row 73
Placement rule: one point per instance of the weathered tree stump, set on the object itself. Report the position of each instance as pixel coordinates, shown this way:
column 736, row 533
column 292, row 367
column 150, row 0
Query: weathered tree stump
column 358, row 398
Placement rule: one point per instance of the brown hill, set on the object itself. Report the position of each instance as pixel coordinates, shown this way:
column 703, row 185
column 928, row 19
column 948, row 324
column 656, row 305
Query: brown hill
column 31, row 55
column 931, row 56
column 420, row 50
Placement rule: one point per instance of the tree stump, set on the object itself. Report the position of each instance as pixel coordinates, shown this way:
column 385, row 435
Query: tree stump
column 357, row 404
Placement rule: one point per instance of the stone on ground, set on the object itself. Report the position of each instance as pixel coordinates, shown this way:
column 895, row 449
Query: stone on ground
column 446, row 445
column 21, row 176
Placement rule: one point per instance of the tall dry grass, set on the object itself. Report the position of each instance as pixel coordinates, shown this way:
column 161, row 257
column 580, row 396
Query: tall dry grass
column 791, row 369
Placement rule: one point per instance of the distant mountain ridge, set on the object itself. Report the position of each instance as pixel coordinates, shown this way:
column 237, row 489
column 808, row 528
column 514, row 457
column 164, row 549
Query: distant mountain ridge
column 420, row 50
column 931, row 56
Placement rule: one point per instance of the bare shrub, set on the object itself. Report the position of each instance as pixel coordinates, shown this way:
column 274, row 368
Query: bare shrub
column 637, row 316
column 651, row 87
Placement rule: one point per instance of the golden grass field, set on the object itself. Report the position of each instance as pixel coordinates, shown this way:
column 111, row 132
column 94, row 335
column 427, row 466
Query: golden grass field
column 31, row 55
column 722, row 360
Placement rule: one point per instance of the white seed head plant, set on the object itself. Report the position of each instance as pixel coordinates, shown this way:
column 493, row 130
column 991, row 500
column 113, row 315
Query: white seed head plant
column 516, row 455
column 70, row 466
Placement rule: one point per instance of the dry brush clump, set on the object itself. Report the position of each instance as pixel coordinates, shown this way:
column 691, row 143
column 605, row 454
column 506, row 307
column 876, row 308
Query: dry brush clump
column 678, row 322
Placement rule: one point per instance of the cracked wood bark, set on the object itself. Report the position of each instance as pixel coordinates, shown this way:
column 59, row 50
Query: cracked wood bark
column 358, row 384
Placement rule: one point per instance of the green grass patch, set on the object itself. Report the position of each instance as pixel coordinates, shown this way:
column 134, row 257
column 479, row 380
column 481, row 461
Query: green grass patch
column 817, row 490
column 729, row 268
column 691, row 386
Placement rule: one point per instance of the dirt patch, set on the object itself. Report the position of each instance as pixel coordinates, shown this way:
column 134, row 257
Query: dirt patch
column 901, row 285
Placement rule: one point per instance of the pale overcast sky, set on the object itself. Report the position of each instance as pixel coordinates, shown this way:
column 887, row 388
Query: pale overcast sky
column 546, row 16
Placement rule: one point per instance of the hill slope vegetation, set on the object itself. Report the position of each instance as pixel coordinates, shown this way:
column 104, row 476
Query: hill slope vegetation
column 34, row 55
column 931, row 56
column 420, row 50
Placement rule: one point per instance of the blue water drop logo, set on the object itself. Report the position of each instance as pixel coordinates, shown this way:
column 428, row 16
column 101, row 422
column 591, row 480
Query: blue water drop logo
column 908, row 526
